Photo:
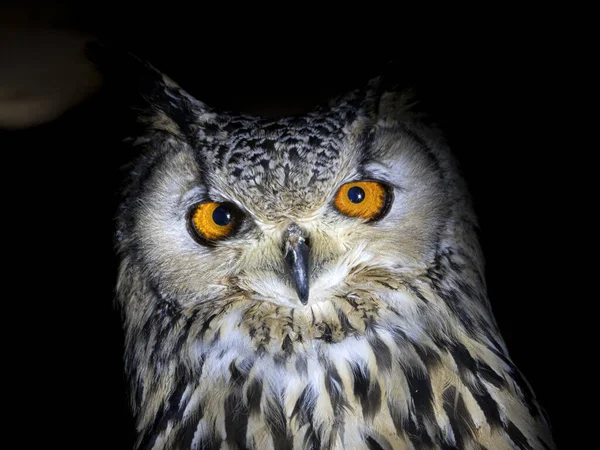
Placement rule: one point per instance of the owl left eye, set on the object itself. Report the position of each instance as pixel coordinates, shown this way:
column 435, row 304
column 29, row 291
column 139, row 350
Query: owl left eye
column 213, row 221
column 363, row 199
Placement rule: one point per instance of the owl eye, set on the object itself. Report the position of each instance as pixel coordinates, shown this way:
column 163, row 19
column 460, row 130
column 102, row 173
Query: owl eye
column 364, row 199
column 213, row 221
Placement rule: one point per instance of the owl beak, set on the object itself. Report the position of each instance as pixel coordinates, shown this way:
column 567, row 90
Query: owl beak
column 297, row 254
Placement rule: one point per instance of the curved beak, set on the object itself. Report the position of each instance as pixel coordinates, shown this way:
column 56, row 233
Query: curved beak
column 297, row 258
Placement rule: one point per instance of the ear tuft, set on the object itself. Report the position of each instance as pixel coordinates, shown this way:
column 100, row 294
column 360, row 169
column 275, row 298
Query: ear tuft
column 391, row 96
column 157, row 102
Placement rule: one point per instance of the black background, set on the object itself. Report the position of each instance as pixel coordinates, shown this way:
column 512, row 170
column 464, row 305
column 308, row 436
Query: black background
column 484, row 76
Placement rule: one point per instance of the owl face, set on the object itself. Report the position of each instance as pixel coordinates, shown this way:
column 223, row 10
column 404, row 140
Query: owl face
column 291, row 211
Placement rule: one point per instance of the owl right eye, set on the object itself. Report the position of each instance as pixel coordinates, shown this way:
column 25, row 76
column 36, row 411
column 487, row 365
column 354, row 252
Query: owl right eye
column 366, row 199
column 213, row 221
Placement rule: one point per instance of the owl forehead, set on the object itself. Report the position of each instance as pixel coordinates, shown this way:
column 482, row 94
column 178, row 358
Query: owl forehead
column 275, row 167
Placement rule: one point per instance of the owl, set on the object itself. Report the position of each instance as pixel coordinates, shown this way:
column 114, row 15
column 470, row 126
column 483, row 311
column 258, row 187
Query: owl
column 307, row 282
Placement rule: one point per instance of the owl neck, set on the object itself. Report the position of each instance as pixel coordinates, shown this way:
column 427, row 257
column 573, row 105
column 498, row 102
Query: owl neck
column 447, row 294
column 433, row 307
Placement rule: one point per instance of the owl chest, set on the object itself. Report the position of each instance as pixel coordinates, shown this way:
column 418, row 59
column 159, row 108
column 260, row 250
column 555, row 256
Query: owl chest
column 365, row 391
column 330, row 397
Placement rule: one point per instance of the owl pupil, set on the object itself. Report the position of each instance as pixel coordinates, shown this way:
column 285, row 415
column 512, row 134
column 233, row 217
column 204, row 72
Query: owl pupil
column 221, row 216
column 356, row 194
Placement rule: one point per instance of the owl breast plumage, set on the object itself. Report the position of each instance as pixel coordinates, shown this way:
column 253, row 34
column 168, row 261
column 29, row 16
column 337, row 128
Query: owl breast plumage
column 308, row 282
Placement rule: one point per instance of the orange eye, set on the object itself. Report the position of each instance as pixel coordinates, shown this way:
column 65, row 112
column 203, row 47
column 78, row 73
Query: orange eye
column 364, row 199
column 214, row 221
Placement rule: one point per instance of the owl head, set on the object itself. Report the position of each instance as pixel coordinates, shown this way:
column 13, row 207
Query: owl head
column 292, row 211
